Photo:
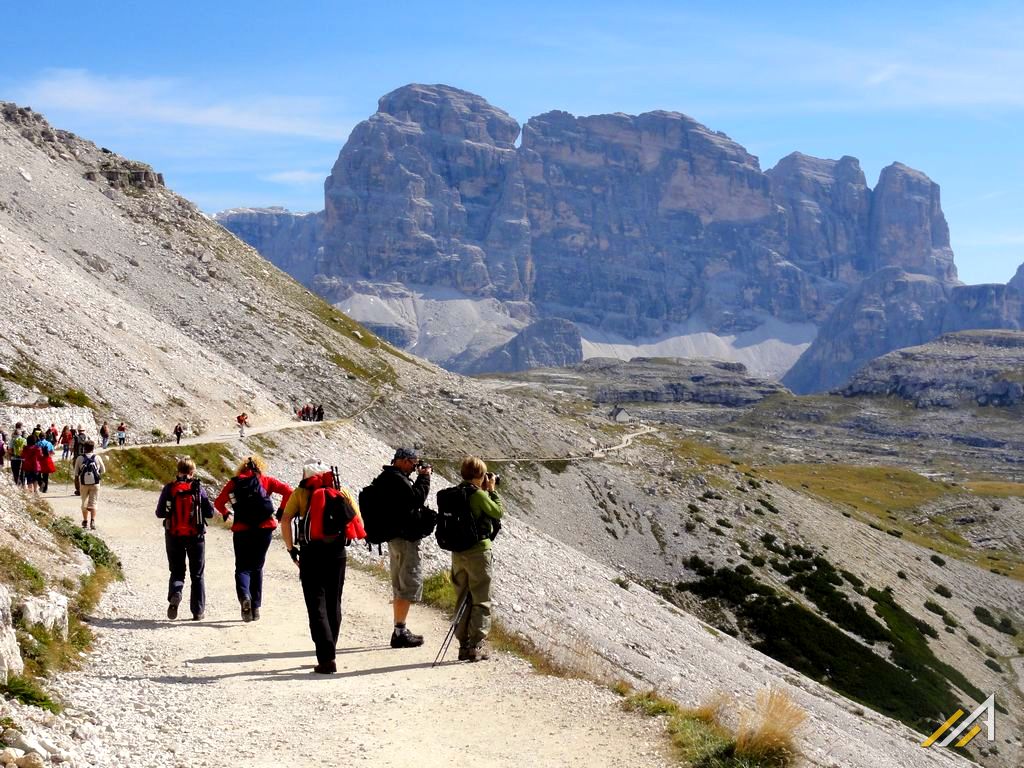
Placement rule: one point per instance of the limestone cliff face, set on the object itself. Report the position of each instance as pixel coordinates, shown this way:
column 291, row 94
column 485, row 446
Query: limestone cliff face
column 289, row 240
column 630, row 224
column 828, row 210
column 908, row 228
column 893, row 309
column 640, row 222
column 424, row 192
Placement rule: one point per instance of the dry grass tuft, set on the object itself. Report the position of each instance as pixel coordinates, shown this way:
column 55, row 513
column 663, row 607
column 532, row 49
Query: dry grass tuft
column 767, row 735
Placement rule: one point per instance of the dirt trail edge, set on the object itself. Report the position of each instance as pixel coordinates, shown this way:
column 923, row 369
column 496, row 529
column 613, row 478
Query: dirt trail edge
column 224, row 693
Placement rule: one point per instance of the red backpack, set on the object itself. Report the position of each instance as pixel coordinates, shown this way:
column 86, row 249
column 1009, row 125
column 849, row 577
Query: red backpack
column 184, row 514
column 332, row 510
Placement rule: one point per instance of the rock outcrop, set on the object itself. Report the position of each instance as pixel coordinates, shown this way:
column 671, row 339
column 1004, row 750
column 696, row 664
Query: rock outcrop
column 625, row 224
column 980, row 367
column 893, row 309
column 10, row 654
column 551, row 342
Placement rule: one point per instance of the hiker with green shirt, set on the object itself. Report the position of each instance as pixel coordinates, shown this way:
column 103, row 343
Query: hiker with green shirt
column 472, row 568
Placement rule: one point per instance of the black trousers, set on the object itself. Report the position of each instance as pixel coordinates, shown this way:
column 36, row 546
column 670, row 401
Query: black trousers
column 322, row 572
column 194, row 549
column 16, row 470
column 250, row 555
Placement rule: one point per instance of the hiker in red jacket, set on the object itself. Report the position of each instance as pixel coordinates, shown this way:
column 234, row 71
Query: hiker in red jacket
column 32, row 463
column 249, row 493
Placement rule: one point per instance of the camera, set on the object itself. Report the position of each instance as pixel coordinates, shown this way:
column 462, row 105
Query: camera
column 496, row 478
column 421, row 465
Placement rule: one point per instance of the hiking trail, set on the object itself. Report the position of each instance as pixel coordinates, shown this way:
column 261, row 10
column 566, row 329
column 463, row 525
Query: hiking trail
column 221, row 692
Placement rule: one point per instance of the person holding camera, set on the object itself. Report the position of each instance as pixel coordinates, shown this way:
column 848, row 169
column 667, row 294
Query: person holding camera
column 472, row 568
column 402, row 498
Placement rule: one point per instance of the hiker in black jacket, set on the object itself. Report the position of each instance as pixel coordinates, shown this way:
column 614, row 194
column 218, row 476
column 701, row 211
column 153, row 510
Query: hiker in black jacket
column 401, row 496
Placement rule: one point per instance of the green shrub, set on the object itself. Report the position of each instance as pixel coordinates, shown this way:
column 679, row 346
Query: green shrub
column 757, row 561
column 690, row 526
column 993, row 665
column 27, row 691
column 79, row 398
column 938, row 560
column 439, row 591
column 1004, row 625
column 901, row 575
column 89, row 543
column 934, row 608
column 723, row 522
column 943, row 591
column 19, row 573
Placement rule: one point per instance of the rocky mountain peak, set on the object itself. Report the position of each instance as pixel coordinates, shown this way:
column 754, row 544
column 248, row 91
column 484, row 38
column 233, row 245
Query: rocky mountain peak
column 630, row 225
column 451, row 111
column 908, row 228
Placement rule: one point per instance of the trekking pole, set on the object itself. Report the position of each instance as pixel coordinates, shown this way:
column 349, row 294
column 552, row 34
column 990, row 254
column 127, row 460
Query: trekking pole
column 446, row 644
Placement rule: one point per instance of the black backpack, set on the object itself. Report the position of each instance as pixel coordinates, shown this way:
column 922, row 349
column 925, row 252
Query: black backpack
column 380, row 526
column 456, row 531
column 419, row 524
column 250, row 502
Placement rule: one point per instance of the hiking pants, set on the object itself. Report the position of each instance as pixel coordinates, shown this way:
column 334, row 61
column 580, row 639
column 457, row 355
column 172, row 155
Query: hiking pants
column 250, row 554
column 16, row 470
column 194, row 549
column 471, row 574
column 322, row 572
column 44, row 482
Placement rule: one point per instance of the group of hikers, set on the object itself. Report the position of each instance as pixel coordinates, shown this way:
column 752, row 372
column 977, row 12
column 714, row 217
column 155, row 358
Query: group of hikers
column 310, row 412
column 318, row 519
column 31, row 454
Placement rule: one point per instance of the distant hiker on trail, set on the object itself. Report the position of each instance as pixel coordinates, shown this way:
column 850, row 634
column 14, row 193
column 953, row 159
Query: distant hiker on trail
column 79, row 441
column 476, row 502
column 31, row 463
column 249, row 495
column 185, row 508
column 399, row 498
column 104, row 436
column 52, row 434
column 3, row 448
column 89, row 471
column 18, row 443
column 122, row 433
column 178, row 432
column 319, row 413
column 67, row 437
column 319, row 518
column 242, row 420
column 46, row 465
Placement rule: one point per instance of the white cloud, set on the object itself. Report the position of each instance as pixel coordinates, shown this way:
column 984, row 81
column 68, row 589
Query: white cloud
column 298, row 178
column 174, row 102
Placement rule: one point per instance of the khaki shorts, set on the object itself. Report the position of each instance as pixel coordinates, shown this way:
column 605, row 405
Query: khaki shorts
column 406, row 573
column 90, row 495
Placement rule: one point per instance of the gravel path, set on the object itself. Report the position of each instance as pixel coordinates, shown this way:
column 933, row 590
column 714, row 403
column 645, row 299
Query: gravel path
column 224, row 693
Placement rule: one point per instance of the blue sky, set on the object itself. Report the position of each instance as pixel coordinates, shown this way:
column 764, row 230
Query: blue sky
column 249, row 104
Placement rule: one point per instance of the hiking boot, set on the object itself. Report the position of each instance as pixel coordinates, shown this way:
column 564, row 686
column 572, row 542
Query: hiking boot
column 85, row 524
column 92, row 525
column 403, row 638
column 172, row 607
column 247, row 610
column 198, row 616
column 477, row 653
column 463, row 653
column 255, row 613
column 325, row 668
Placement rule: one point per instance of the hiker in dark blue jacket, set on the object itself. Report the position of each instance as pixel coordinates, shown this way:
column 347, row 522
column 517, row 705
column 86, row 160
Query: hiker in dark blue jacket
column 184, row 507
